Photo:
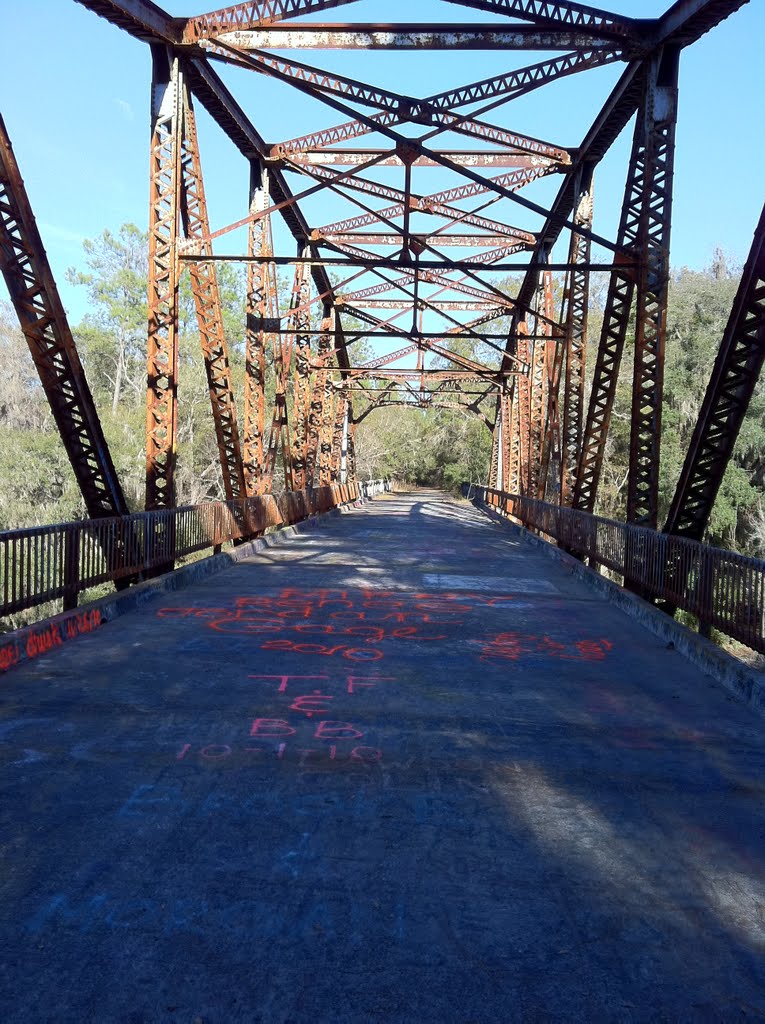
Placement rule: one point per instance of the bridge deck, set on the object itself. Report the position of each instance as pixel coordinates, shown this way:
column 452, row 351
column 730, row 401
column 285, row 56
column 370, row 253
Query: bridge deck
column 400, row 769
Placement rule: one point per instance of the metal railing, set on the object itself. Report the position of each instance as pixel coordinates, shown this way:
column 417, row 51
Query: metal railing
column 371, row 488
column 721, row 588
column 46, row 563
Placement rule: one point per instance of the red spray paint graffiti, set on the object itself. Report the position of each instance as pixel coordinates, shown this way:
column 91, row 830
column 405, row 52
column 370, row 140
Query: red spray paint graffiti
column 512, row 646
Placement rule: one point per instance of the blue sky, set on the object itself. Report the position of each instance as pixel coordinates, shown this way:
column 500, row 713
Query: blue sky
column 74, row 92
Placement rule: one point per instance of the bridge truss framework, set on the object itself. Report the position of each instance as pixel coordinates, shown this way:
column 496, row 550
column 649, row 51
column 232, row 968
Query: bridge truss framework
column 405, row 257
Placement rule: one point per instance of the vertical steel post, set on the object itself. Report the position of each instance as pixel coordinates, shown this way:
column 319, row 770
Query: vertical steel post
column 339, row 432
column 350, row 446
column 659, row 114
column 496, row 481
column 577, row 307
column 325, row 436
column 162, row 354
column 317, row 397
column 524, row 409
column 300, row 323
column 258, row 288
column 204, row 285
column 513, row 481
column 615, row 321
column 551, row 442
column 537, row 390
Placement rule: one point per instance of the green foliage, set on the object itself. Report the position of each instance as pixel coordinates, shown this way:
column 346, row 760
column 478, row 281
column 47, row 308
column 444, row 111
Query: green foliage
column 440, row 448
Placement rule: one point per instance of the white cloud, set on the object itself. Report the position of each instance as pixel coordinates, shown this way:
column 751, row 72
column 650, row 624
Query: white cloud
column 126, row 109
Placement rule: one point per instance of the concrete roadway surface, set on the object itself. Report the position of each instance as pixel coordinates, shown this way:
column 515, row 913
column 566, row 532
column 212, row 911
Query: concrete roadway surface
column 400, row 769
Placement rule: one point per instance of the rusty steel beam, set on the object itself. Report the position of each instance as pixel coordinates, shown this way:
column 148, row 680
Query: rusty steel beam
column 356, row 373
column 438, row 203
column 390, row 239
column 386, row 329
column 429, row 277
column 438, row 109
column 162, row 350
column 682, row 25
column 688, row 20
column 505, row 421
column 415, row 36
column 204, row 285
column 326, row 435
column 538, row 387
column 495, row 462
column 523, row 391
column 513, row 144
column 447, row 305
column 331, row 400
column 279, row 437
column 551, row 440
column 339, row 431
column 479, row 182
column 356, row 157
column 394, row 108
column 224, row 109
column 300, row 323
column 507, row 233
column 391, row 357
column 262, row 296
column 514, row 483
column 43, row 321
column 734, row 377
column 613, row 334
column 518, row 83
column 435, row 269
column 254, row 13
column 659, row 113
column 317, row 398
column 577, row 310
column 558, row 12
column 350, row 445
column 322, row 82
column 140, row 18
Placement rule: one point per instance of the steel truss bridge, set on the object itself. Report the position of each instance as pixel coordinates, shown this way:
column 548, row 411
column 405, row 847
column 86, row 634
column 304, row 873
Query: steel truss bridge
column 397, row 259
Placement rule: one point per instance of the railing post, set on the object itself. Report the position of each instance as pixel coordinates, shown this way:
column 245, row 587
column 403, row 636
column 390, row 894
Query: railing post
column 706, row 593
column 217, row 529
column 71, row 568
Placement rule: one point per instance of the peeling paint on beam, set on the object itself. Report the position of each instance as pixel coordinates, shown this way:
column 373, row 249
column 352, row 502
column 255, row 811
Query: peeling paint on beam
column 413, row 37
column 462, row 158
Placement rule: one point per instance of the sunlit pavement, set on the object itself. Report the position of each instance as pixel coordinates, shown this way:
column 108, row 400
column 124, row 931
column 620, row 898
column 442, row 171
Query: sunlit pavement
column 401, row 769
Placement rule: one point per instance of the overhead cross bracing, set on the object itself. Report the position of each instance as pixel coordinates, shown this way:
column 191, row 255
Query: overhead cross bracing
column 399, row 196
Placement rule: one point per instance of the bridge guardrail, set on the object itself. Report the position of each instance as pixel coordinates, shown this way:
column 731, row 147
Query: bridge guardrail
column 371, row 488
column 721, row 588
column 45, row 563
